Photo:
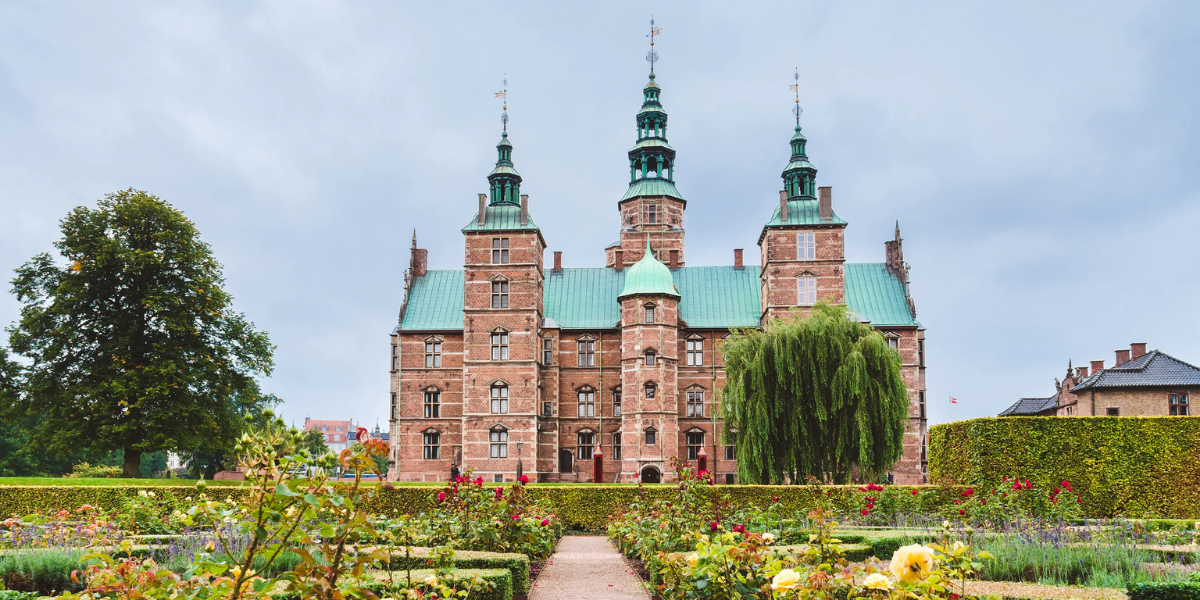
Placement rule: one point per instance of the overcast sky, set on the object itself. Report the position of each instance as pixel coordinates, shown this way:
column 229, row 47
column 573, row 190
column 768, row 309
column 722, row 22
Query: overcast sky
column 1043, row 159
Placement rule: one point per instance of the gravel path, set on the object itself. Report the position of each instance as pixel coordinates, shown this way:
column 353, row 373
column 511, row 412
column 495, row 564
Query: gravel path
column 587, row 567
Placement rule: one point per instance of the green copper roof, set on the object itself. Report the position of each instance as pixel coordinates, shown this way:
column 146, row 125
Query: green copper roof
column 803, row 212
column 507, row 170
column 799, row 164
column 798, row 135
column 648, row 277
column 651, row 108
column 435, row 302
column 652, row 187
column 710, row 298
column 651, row 143
column 877, row 295
column 501, row 217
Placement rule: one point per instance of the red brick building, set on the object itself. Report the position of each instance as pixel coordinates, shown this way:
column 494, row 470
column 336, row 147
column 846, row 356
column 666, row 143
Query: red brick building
column 509, row 360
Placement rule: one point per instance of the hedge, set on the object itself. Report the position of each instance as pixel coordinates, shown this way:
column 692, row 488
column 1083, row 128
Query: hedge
column 582, row 507
column 1120, row 466
column 516, row 564
column 1165, row 591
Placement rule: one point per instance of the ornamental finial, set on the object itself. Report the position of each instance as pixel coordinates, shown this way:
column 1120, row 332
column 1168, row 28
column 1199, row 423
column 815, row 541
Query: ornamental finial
column 795, row 87
column 504, row 111
column 652, row 56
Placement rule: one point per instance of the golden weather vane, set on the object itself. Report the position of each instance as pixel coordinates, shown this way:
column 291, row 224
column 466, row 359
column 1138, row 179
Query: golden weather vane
column 795, row 87
column 652, row 56
column 504, row 94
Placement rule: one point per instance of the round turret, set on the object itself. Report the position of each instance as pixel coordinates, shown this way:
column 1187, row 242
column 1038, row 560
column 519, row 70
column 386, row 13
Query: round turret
column 649, row 277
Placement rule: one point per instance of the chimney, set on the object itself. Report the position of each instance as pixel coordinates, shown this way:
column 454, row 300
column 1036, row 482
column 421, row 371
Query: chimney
column 783, row 211
column 1138, row 348
column 482, row 208
column 1097, row 366
column 524, row 209
column 674, row 264
column 420, row 261
column 557, row 260
column 618, row 259
column 1122, row 357
column 825, row 202
column 737, row 258
column 1081, row 372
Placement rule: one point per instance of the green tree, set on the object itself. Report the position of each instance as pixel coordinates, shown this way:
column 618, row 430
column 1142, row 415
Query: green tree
column 314, row 442
column 133, row 343
column 813, row 396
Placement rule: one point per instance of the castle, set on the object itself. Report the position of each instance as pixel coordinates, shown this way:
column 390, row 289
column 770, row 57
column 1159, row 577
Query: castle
column 505, row 365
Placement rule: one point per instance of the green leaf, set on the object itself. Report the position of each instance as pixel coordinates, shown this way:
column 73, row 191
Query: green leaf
column 283, row 490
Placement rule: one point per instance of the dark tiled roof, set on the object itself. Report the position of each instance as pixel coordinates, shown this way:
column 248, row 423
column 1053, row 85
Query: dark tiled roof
column 1152, row 369
column 1030, row 407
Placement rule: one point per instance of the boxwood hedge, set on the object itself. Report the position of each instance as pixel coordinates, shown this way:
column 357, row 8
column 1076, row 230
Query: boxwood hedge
column 1165, row 591
column 1123, row 466
column 516, row 564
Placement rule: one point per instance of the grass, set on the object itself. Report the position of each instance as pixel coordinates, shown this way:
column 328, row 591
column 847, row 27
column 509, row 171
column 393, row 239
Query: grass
column 107, row 481
column 45, row 571
column 1030, row 559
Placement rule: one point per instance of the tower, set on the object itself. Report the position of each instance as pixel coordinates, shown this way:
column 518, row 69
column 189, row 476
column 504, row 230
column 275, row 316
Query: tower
column 649, row 362
column 502, row 317
column 652, row 208
column 802, row 246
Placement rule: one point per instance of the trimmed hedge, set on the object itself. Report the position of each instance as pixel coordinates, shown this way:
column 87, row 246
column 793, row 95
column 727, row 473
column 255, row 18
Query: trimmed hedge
column 581, row 507
column 501, row 578
column 1164, row 591
column 1124, row 466
column 516, row 564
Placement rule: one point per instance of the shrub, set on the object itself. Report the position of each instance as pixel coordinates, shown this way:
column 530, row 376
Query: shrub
column 45, row 571
column 1130, row 466
column 516, row 564
column 84, row 469
column 1165, row 591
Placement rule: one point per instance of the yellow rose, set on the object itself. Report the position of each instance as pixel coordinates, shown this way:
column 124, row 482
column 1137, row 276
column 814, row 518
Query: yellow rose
column 768, row 538
column 877, row 581
column 785, row 580
column 912, row 563
column 692, row 559
column 431, row 580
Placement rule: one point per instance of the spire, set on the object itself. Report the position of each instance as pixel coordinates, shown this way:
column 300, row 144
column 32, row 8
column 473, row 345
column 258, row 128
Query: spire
column 504, row 180
column 800, row 176
column 652, row 159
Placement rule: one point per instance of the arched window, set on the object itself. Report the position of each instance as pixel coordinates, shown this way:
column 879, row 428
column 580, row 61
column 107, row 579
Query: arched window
column 499, row 398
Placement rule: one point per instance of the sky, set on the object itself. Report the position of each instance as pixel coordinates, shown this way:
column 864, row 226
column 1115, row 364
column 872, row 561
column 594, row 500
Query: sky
column 1042, row 159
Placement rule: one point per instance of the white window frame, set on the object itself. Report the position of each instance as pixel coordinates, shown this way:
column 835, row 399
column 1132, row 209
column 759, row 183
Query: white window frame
column 806, row 245
column 433, row 353
column 498, row 443
column 587, row 402
column 695, row 351
column 586, row 445
column 806, row 290
column 500, row 345
column 498, row 393
column 695, row 403
column 585, row 352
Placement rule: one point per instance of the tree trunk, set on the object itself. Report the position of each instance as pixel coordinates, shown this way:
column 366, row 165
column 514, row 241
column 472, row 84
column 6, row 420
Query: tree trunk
column 133, row 463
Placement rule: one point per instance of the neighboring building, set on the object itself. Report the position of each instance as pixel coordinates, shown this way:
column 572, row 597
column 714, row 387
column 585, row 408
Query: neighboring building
column 1141, row 384
column 338, row 434
column 505, row 360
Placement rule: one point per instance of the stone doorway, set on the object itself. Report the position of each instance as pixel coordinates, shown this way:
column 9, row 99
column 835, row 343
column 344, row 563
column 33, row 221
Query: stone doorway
column 650, row 475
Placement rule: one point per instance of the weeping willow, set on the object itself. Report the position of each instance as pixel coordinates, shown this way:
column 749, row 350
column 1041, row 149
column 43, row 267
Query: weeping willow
column 819, row 395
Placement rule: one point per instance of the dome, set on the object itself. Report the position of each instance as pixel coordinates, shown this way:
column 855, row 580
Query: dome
column 648, row 277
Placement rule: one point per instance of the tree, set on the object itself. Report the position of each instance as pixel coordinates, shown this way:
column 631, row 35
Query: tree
column 133, row 344
column 314, row 442
column 217, row 454
column 813, row 396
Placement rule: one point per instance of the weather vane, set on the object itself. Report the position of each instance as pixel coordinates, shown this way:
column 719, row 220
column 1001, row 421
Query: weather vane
column 795, row 87
column 652, row 56
column 504, row 94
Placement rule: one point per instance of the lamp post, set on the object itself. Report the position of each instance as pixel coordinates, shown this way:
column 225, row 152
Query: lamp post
column 520, row 467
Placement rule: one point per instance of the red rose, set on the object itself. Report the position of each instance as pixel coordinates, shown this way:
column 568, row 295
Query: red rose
column 523, row 479
column 984, row 502
column 739, row 529
column 915, row 492
column 962, row 512
column 1056, row 490
column 871, row 506
column 713, row 526
column 1004, row 494
column 1005, row 479
column 545, row 522
column 775, row 499
column 957, row 501
column 515, row 517
column 865, row 512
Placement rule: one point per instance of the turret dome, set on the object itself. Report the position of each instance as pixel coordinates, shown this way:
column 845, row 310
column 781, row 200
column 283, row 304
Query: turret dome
column 649, row 277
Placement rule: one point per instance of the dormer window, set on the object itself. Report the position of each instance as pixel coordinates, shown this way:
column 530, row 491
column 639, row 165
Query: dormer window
column 806, row 246
column 893, row 340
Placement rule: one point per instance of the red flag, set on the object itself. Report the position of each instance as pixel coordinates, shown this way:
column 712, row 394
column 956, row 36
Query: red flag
column 953, row 400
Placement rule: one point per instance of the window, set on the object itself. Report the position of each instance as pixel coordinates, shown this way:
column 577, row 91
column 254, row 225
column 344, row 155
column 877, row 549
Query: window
column 806, row 246
column 547, row 409
column 650, row 358
column 730, row 452
column 695, row 440
column 695, row 404
column 650, row 389
column 499, row 294
column 920, row 353
column 650, row 435
column 395, row 358
column 498, row 478
column 587, row 403
column 499, row 399
column 587, row 353
column 729, row 478
column 1179, row 404
column 806, row 290
column 433, row 353
column 616, row 446
column 499, row 251
column 547, row 351
column 395, row 407
column 695, row 351
column 649, row 313
column 586, row 446
column 1113, row 412
column 652, row 214
column 894, row 343
column 921, row 403
column 432, row 447
column 433, row 404
column 500, row 345
column 617, row 402
column 499, row 441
